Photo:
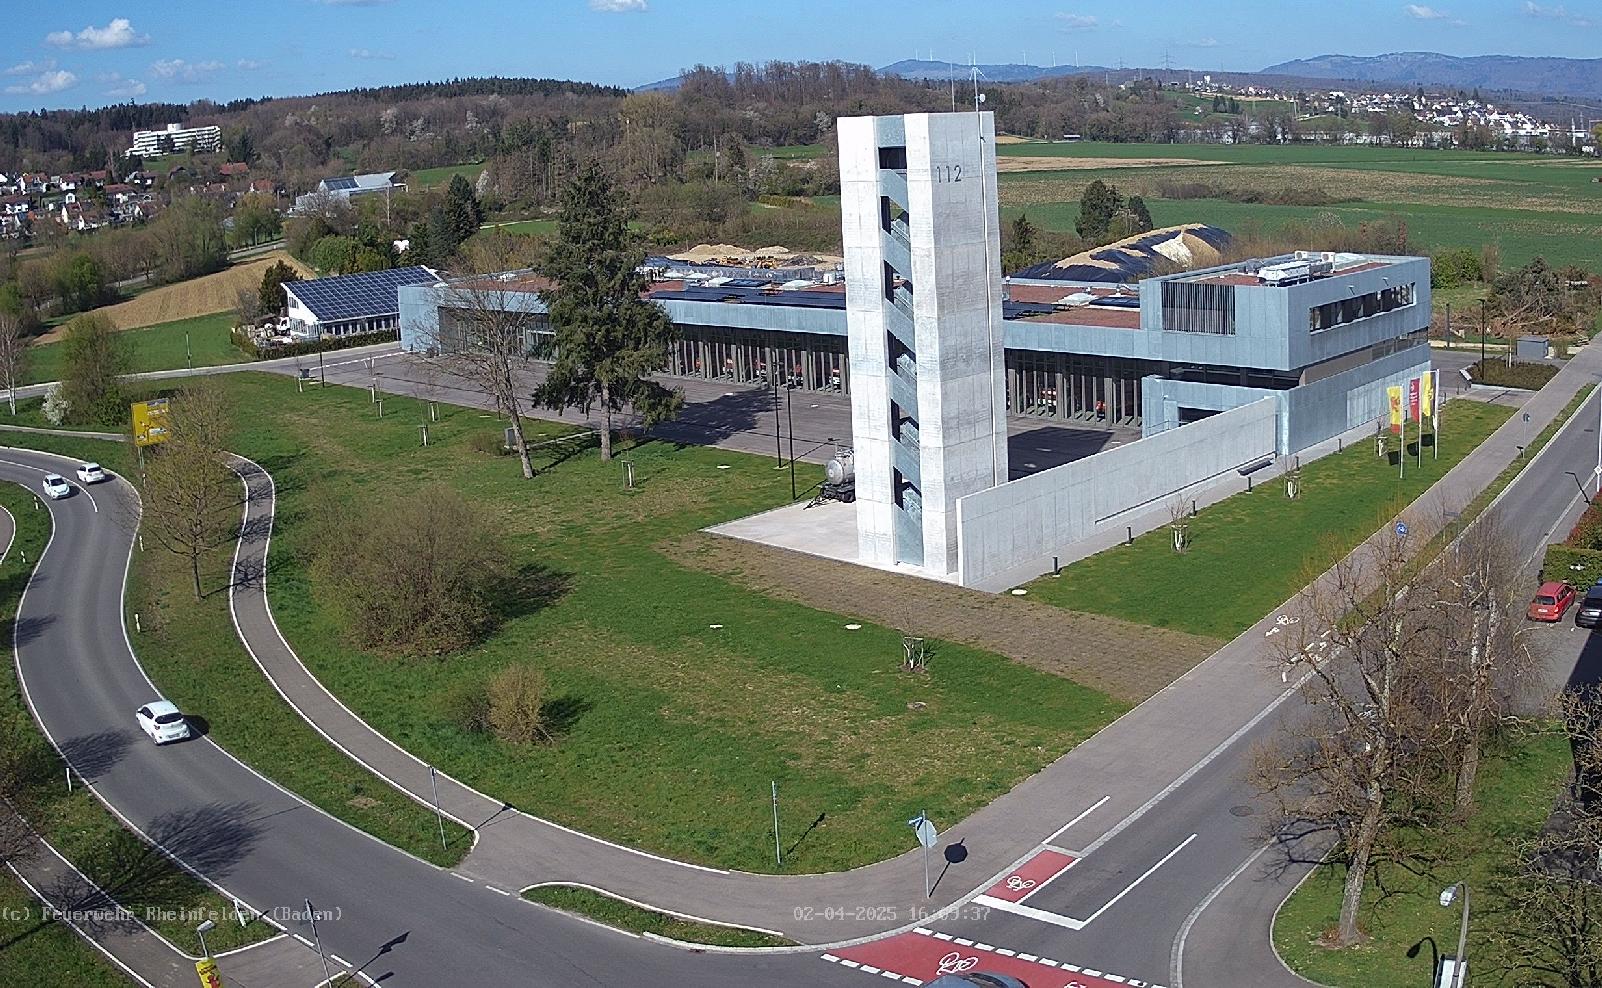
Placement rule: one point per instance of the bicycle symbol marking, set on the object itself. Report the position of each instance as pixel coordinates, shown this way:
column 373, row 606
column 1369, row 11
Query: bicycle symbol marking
column 955, row 963
column 1017, row 883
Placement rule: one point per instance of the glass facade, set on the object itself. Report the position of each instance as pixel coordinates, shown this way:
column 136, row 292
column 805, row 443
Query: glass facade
column 1346, row 310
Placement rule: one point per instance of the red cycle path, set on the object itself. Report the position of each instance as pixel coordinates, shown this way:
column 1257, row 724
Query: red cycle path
column 924, row 956
column 1027, row 878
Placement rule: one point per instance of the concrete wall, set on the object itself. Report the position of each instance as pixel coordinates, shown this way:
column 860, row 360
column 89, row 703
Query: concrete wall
column 1308, row 414
column 1025, row 519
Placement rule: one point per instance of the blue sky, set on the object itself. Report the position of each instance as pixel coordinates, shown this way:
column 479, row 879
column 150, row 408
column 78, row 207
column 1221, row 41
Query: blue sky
column 89, row 52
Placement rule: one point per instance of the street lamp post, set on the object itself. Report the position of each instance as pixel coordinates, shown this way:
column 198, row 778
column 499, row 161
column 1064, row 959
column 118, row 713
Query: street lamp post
column 789, row 417
column 1482, row 336
column 201, row 931
column 1448, row 895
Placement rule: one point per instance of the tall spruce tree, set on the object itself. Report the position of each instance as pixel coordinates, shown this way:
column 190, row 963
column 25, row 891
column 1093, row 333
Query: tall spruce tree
column 461, row 210
column 609, row 339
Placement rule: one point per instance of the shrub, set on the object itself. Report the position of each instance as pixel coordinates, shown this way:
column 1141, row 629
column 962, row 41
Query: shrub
column 516, row 705
column 467, row 707
column 1453, row 267
column 55, row 406
column 1498, row 372
column 1579, row 567
column 493, row 443
column 419, row 574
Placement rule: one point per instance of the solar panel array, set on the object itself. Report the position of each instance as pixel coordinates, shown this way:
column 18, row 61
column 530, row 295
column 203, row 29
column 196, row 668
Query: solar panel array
column 356, row 296
column 748, row 296
column 339, row 183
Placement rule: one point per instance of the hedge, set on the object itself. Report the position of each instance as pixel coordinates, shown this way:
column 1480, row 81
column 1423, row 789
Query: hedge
column 270, row 352
column 1581, row 568
column 1500, row 373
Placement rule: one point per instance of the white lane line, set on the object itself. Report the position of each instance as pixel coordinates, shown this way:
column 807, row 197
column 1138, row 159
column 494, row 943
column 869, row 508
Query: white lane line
column 1093, row 807
column 1131, row 886
column 497, row 891
column 463, row 878
column 1176, row 960
column 1029, row 912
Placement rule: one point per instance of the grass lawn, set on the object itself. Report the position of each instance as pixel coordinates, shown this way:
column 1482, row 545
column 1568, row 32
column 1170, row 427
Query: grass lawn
column 158, row 347
column 627, row 916
column 1515, row 792
column 192, row 652
column 32, row 944
column 528, row 228
column 1254, row 550
column 133, row 872
column 426, row 178
column 682, row 695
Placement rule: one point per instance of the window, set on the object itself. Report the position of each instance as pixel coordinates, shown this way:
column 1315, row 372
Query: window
column 893, row 158
column 1348, row 310
column 1189, row 307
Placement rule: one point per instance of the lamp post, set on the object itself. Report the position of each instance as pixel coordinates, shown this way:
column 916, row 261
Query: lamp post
column 789, row 417
column 201, row 931
column 1448, row 896
column 1482, row 336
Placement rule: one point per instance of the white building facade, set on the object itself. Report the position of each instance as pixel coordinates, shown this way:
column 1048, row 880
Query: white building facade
column 175, row 138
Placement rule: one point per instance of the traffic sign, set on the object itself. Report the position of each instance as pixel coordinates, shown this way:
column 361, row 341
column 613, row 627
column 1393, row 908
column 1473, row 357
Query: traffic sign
column 1401, row 529
column 925, row 829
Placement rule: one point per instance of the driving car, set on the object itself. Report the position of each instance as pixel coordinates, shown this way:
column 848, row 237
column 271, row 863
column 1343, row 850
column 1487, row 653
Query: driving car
column 1589, row 613
column 56, row 486
column 1551, row 602
column 162, row 721
column 90, row 473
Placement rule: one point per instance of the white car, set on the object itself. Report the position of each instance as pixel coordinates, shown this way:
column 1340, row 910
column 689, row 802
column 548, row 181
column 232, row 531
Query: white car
column 163, row 722
column 56, row 486
column 90, row 473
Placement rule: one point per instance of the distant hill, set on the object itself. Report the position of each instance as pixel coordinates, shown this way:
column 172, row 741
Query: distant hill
column 1547, row 76
column 920, row 68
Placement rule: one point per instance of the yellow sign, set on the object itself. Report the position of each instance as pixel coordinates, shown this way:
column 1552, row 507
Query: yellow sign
column 207, row 969
column 1426, row 390
column 150, row 422
column 1394, row 394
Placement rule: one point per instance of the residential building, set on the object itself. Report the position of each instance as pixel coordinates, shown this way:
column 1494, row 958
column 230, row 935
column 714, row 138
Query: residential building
column 175, row 138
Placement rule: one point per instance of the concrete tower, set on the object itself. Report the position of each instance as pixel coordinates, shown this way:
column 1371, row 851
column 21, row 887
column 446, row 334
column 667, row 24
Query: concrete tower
column 923, row 311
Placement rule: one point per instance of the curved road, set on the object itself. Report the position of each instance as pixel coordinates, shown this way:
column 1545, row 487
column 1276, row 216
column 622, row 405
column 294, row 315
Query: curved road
column 385, row 912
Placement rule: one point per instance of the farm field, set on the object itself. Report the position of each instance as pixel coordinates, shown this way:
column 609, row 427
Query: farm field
column 153, row 348
column 428, row 178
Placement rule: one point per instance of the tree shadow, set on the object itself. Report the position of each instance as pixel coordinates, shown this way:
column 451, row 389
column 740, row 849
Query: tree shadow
column 92, row 755
column 28, row 629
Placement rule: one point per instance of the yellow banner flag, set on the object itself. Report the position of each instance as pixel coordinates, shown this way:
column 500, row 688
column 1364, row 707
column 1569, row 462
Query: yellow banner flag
column 207, row 969
column 1394, row 393
column 1426, row 403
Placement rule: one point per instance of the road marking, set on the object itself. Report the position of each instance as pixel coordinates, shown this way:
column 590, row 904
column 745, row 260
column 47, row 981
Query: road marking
column 920, row 956
column 1093, row 807
column 496, row 890
column 1070, row 922
column 1177, row 955
column 1131, row 886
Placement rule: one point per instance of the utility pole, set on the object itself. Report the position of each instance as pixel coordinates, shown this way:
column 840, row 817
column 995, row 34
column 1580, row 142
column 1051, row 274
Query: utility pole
column 789, row 416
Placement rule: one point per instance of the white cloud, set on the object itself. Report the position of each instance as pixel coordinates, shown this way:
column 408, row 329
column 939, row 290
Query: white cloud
column 46, row 82
column 249, row 64
column 618, row 6
column 1079, row 22
column 368, row 53
column 30, row 68
column 118, row 34
column 178, row 70
column 1423, row 13
column 120, row 88
column 1201, row 43
column 1559, row 13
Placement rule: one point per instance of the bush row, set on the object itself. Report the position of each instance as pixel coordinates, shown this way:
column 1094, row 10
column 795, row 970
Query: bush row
column 1580, row 568
column 268, row 352
column 1498, row 372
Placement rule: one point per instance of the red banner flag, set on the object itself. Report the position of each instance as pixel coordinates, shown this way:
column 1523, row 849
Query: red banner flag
column 1413, row 399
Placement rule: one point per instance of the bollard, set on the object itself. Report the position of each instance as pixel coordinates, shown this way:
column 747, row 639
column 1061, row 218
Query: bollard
column 69, row 778
column 137, row 625
column 380, row 408
column 1129, row 533
column 424, row 427
column 1056, row 567
column 141, row 541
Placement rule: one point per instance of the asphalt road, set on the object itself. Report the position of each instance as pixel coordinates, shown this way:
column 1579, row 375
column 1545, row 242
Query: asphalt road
column 399, row 919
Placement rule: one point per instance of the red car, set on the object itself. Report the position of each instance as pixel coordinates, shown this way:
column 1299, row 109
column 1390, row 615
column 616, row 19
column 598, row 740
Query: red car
column 1551, row 602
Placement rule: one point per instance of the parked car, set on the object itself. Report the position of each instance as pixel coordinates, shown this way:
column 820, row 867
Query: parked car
column 90, row 473
column 163, row 722
column 56, row 486
column 975, row 979
column 1589, row 613
column 1551, row 602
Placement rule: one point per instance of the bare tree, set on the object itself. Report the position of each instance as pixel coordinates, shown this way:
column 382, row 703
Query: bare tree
column 1548, row 928
column 188, row 496
column 13, row 354
column 1482, row 643
column 485, row 333
column 1363, row 755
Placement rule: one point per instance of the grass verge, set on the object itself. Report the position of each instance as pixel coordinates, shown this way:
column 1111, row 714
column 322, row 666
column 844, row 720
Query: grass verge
column 33, row 943
column 1515, row 792
column 1252, row 551
column 677, row 696
column 191, row 651
column 636, row 919
column 204, row 340
column 132, row 872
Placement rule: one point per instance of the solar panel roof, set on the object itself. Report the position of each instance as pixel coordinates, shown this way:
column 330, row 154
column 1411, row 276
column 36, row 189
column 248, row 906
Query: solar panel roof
column 356, row 296
column 339, row 183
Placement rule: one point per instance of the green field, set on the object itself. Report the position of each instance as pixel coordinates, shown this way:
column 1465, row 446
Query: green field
column 1529, row 204
column 427, row 178
column 164, row 346
column 38, row 950
column 681, row 696
column 530, row 228
column 1253, row 551
column 1515, row 792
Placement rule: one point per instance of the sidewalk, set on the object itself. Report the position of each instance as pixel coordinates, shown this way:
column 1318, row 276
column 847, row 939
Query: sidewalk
column 1132, row 763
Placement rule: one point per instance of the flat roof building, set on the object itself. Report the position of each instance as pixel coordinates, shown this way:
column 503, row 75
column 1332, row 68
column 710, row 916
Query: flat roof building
column 350, row 304
column 175, row 138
